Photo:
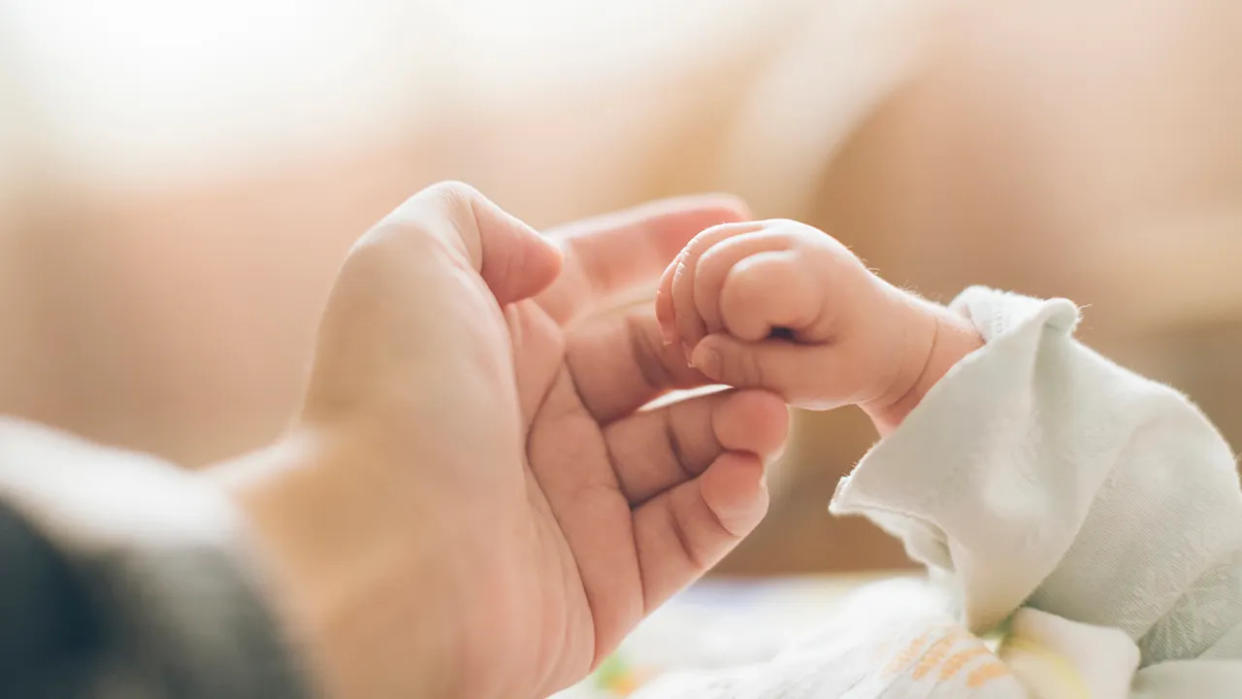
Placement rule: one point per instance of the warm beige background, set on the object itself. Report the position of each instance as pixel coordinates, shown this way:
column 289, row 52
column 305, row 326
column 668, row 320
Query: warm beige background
column 177, row 186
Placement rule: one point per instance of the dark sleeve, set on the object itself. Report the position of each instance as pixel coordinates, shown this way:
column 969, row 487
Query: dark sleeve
column 121, row 576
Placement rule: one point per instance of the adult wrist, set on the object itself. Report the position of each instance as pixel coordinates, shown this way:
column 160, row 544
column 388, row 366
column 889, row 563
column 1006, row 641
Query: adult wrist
column 348, row 566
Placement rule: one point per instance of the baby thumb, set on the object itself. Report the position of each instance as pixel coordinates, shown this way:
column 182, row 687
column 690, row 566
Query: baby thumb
column 770, row 364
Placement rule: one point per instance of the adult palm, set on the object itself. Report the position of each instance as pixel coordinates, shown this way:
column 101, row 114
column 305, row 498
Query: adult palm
column 555, row 511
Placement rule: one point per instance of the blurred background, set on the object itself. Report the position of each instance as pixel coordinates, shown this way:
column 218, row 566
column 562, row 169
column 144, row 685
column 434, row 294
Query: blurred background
column 179, row 181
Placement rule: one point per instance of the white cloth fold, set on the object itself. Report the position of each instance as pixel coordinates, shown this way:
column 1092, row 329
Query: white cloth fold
column 1091, row 516
column 1040, row 473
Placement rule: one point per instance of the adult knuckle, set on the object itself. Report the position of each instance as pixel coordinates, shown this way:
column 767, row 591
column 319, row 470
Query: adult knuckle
column 452, row 191
column 449, row 199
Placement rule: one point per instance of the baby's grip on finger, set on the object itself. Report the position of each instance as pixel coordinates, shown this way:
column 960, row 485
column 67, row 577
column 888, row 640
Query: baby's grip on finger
column 675, row 308
column 783, row 367
column 715, row 264
column 770, row 290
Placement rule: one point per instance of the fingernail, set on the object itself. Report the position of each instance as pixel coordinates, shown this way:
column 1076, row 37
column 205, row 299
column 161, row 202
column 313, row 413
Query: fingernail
column 667, row 336
column 706, row 360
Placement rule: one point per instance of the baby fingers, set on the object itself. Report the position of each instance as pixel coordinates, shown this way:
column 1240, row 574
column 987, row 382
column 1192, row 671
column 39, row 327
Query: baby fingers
column 752, row 282
column 675, row 307
column 771, row 291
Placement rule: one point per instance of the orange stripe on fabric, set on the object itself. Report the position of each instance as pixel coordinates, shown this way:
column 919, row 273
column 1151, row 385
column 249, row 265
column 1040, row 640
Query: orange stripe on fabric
column 986, row 673
column 959, row 660
column 935, row 653
column 907, row 654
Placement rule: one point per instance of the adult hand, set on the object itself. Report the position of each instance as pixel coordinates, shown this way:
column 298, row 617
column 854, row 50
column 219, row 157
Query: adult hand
column 472, row 503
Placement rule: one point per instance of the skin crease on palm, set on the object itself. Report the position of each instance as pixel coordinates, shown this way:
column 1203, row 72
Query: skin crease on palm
column 492, row 510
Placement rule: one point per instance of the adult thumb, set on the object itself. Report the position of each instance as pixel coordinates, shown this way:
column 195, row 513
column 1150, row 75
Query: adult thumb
column 514, row 259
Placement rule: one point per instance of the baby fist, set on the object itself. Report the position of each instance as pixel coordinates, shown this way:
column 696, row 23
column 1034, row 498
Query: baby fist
column 781, row 305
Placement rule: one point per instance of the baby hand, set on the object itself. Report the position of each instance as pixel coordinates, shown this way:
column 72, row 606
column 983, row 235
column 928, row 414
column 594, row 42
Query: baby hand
column 783, row 306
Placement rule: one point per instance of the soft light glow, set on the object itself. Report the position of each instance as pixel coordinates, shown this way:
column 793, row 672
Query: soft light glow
column 141, row 84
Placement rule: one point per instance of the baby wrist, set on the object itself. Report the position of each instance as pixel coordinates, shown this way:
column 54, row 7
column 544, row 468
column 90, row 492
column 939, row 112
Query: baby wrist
column 940, row 338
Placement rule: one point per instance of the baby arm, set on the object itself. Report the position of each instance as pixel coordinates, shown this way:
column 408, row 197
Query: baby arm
column 1037, row 474
column 781, row 305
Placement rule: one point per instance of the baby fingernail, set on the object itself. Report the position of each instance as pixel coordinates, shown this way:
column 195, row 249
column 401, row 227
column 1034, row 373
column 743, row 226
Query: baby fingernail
column 706, row 360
